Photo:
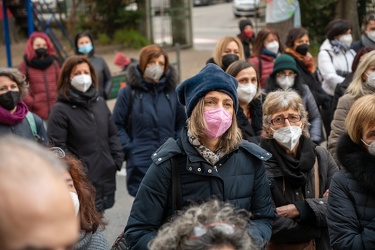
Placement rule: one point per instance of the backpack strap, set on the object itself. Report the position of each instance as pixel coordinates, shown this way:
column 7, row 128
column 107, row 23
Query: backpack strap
column 330, row 56
column 30, row 118
column 176, row 182
column 130, row 107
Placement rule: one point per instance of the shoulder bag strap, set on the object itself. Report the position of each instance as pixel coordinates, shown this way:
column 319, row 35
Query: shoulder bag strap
column 176, row 186
column 316, row 178
column 31, row 121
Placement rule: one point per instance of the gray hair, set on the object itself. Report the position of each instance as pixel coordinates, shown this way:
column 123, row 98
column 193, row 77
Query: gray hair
column 177, row 234
column 281, row 100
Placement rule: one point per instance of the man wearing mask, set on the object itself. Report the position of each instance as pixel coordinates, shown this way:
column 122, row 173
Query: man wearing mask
column 246, row 36
column 368, row 33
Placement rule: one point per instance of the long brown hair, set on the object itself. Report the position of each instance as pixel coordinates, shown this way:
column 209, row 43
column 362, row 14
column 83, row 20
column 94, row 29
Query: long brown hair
column 149, row 52
column 90, row 218
column 63, row 83
column 259, row 41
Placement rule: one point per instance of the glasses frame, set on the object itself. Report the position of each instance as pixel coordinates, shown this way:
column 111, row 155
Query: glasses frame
column 283, row 76
column 285, row 118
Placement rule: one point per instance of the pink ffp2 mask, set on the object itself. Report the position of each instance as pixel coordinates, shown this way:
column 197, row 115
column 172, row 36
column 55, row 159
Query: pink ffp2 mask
column 218, row 121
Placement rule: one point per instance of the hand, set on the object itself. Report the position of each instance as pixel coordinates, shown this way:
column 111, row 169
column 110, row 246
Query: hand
column 289, row 211
column 325, row 195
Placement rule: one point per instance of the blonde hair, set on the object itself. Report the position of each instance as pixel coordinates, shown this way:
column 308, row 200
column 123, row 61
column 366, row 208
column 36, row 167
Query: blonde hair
column 221, row 46
column 196, row 125
column 281, row 100
column 176, row 234
column 359, row 87
column 361, row 115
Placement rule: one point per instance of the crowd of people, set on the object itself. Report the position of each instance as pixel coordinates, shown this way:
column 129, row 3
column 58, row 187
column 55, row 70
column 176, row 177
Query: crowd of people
column 229, row 158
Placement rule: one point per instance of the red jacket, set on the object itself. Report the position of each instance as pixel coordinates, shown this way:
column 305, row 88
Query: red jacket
column 266, row 67
column 42, row 90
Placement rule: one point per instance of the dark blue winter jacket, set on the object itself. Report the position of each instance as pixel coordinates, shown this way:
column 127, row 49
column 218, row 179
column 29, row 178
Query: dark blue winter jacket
column 156, row 116
column 240, row 179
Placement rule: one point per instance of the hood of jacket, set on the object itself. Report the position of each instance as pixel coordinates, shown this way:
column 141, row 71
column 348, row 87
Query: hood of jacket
column 357, row 161
column 136, row 80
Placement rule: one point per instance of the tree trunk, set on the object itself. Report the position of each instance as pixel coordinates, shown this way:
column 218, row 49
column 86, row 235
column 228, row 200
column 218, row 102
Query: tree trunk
column 347, row 10
column 179, row 20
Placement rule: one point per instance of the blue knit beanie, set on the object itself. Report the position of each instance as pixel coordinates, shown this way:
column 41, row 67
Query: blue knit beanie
column 210, row 78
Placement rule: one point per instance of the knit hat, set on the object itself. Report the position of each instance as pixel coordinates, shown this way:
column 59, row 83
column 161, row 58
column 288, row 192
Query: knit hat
column 121, row 60
column 210, row 78
column 284, row 62
column 243, row 23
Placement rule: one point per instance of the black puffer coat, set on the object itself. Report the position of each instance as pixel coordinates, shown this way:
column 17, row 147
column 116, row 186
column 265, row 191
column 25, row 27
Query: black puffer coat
column 351, row 200
column 83, row 126
column 240, row 179
column 156, row 116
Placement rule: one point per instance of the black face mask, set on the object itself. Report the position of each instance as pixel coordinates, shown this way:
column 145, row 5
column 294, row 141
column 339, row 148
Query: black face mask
column 41, row 52
column 228, row 59
column 302, row 49
column 9, row 99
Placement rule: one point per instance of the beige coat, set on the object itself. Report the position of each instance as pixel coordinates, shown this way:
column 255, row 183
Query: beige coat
column 338, row 122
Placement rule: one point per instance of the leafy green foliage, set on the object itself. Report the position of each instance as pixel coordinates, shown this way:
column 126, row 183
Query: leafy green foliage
column 130, row 38
column 315, row 16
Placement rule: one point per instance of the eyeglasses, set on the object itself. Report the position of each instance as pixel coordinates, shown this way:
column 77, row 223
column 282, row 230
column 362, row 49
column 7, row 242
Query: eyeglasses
column 283, row 75
column 58, row 152
column 200, row 230
column 281, row 120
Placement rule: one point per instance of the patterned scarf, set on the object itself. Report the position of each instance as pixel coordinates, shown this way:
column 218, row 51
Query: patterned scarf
column 208, row 155
column 307, row 61
column 13, row 119
column 337, row 46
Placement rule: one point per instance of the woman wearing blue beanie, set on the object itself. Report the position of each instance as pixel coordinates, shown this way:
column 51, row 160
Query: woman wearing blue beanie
column 209, row 160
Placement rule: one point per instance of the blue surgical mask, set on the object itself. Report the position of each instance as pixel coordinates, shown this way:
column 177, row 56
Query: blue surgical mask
column 85, row 49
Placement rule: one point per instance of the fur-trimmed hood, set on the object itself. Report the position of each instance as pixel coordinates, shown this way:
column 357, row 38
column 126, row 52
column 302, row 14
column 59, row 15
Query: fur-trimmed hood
column 357, row 161
column 136, row 80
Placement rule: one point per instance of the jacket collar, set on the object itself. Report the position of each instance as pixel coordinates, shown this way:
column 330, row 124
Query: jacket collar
column 357, row 161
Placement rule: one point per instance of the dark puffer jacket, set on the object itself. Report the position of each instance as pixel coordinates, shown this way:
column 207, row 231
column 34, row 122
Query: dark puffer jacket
column 156, row 116
column 84, row 127
column 240, row 180
column 42, row 91
column 351, row 201
column 285, row 230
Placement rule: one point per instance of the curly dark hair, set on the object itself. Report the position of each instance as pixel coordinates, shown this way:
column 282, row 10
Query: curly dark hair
column 90, row 218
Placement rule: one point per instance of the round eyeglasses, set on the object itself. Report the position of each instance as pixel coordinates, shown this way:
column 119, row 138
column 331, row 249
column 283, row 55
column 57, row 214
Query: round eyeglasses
column 281, row 120
column 282, row 75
